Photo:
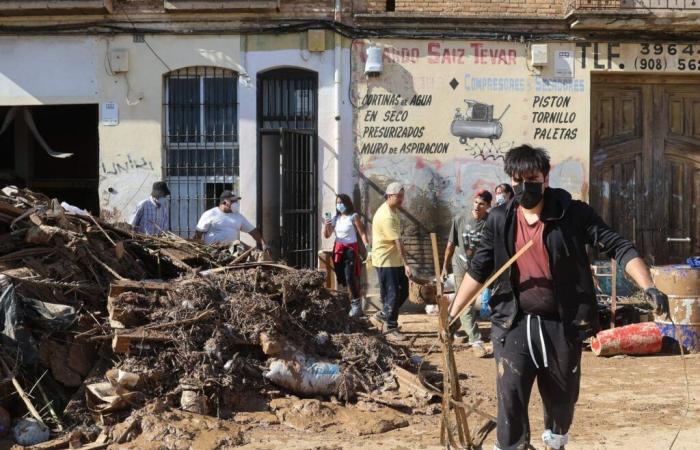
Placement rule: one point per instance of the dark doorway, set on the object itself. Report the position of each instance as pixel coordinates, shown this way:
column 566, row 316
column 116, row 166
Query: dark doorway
column 26, row 162
column 288, row 163
column 645, row 162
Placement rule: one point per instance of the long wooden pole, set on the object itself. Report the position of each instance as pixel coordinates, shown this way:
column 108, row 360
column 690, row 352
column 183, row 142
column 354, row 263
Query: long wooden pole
column 451, row 388
column 613, row 296
column 23, row 395
column 491, row 279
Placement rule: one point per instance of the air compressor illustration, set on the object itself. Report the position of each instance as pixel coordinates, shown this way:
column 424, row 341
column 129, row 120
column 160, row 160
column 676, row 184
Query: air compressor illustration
column 477, row 122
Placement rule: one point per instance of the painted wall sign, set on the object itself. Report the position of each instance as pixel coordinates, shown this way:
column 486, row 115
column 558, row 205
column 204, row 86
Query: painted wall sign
column 443, row 113
column 639, row 57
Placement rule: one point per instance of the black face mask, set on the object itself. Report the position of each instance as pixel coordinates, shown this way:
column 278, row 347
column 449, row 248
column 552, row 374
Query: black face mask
column 528, row 194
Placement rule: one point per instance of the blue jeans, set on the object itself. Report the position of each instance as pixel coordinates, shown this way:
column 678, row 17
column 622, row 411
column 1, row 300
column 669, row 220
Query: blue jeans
column 393, row 288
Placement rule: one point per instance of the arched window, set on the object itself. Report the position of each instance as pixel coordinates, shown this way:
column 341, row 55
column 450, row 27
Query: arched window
column 201, row 141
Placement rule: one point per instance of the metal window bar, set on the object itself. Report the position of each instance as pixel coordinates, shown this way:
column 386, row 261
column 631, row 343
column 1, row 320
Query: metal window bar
column 299, row 199
column 200, row 138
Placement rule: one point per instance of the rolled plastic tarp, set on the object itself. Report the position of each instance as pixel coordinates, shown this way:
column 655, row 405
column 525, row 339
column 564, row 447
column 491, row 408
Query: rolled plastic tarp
column 305, row 376
column 636, row 339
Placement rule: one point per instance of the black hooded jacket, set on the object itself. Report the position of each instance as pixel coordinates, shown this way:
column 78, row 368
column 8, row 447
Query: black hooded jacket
column 569, row 226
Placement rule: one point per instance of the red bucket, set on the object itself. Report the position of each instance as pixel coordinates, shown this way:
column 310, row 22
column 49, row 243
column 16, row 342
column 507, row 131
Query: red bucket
column 636, row 339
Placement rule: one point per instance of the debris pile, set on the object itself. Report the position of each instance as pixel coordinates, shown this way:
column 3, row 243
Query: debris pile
column 97, row 322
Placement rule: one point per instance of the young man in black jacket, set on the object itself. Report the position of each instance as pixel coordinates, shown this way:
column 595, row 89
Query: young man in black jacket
column 545, row 305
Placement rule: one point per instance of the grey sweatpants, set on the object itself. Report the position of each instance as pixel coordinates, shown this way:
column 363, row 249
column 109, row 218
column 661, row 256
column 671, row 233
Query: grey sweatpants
column 468, row 317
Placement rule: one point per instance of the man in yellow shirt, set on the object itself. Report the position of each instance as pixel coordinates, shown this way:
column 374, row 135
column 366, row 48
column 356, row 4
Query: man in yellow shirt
column 389, row 258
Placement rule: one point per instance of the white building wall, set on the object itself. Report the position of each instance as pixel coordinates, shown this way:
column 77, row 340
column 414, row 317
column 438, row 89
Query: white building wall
column 336, row 168
column 75, row 70
column 62, row 70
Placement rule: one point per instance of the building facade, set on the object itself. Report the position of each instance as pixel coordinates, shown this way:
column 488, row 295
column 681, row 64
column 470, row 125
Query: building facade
column 102, row 98
column 609, row 88
column 99, row 98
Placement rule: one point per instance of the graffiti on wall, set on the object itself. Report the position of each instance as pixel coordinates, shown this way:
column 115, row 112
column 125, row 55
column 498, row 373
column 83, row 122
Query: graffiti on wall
column 125, row 179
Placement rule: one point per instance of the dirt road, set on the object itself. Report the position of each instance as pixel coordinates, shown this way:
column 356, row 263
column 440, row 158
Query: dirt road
column 635, row 403
column 625, row 403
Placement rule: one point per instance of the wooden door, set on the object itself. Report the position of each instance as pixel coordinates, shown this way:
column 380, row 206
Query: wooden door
column 677, row 171
column 645, row 162
column 617, row 138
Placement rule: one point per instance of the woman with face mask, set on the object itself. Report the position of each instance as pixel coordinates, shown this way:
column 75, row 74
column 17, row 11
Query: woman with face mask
column 504, row 192
column 346, row 252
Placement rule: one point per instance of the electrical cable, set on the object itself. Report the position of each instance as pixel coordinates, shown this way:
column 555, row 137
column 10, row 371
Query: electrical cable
column 350, row 96
column 687, row 383
column 290, row 26
column 145, row 41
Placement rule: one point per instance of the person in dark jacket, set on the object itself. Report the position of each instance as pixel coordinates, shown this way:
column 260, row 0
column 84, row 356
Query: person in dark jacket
column 545, row 304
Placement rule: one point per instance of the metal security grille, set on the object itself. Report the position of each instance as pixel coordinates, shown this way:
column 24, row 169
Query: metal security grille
column 201, row 141
column 299, row 193
column 287, row 104
column 288, row 100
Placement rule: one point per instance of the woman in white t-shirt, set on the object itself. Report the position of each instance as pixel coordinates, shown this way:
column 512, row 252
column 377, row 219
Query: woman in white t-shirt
column 346, row 252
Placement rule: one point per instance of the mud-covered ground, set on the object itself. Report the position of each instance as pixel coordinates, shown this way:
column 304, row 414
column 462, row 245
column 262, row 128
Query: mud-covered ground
column 625, row 403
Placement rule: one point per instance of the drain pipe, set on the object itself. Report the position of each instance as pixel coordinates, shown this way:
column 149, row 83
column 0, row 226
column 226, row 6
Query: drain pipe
column 338, row 82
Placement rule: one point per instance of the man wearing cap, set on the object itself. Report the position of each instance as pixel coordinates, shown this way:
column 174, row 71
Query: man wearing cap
column 223, row 224
column 389, row 258
column 463, row 240
column 152, row 216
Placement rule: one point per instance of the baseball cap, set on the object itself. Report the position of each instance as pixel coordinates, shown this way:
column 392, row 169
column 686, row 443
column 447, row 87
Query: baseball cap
column 484, row 195
column 394, row 188
column 228, row 195
column 160, row 187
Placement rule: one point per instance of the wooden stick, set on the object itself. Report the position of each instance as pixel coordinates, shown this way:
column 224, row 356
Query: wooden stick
column 247, row 265
column 613, row 297
column 52, row 411
column 436, row 264
column 102, row 230
column 243, row 256
column 106, row 267
column 23, row 395
column 451, row 386
column 205, row 315
column 491, row 279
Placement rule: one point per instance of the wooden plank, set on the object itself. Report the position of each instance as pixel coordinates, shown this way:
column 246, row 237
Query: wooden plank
column 10, row 210
column 95, row 446
column 120, row 286
column 411, row 384
column 54, row 444
column 177, row 257
column 121, row 343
